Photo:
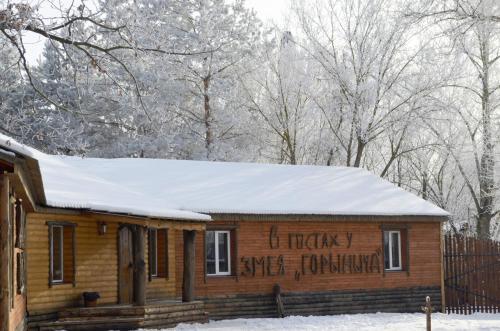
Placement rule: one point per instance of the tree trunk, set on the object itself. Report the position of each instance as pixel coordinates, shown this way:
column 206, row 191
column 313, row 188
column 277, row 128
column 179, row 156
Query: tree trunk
column 290, row 146
column 139, row 266
column 359, row 153
column 483, row 225
column 188, row 278
column 207, row 118
column 487, row 164
column 424, row 185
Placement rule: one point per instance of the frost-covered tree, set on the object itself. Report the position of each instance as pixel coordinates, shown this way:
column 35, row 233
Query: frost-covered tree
column 471, row 29
column 226, row 34
column 279, row 95
column 369, row 60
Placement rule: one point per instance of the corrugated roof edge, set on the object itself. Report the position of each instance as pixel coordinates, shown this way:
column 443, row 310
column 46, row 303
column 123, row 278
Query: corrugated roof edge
column 306, row 213
column 327, row 217
column 174, row 214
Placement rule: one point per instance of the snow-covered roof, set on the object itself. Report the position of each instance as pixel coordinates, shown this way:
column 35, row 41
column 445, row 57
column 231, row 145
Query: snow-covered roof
column 250, row 188
column 157, row 187
column 69, row 187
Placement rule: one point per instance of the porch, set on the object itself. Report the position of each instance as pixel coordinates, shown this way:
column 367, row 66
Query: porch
column 130, row 262
column 155, row 314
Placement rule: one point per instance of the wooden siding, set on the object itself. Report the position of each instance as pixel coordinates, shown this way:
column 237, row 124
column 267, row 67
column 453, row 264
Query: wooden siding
column 254, row 242
column 16, row 302
column 18, row 312
column 163, row 287
column 96, row 263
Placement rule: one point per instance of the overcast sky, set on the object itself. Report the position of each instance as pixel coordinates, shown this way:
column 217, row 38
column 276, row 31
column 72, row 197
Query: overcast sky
column 268, row 10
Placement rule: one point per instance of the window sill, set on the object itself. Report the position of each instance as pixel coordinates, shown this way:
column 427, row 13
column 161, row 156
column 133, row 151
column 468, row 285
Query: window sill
column 159, row 277
column 221, row 276
column 61, row 283
column 388, row 271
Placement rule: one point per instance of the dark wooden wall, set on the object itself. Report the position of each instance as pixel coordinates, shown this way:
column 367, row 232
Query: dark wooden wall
column 398, row 300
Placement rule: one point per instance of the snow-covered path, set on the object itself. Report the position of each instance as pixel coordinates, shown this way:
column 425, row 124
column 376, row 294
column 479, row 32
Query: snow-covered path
column 359, row 322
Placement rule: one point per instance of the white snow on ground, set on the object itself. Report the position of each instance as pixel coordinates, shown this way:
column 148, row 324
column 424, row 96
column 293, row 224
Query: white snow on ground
column 357, row 322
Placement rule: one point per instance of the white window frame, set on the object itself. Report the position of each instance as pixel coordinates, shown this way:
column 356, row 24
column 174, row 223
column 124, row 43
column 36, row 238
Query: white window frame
column 216, row 242
column 154, row 273
column 391, row 266
column 55, row 281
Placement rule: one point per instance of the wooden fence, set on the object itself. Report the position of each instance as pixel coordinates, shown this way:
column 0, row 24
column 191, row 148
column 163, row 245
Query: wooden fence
column 471, row 275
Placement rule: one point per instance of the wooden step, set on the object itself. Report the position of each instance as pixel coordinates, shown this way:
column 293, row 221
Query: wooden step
column 101, row 311
column 116, row 323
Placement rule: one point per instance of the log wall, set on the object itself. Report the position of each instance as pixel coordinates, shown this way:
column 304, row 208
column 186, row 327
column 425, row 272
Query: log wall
column 12, row 302
column 262, row 262
column 96, row 264
column 398, row 300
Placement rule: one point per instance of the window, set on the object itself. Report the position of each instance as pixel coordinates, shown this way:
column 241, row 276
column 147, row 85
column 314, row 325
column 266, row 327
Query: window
column 20, row 224
column 158, row 253
column 218, row 252
column 57, row 253
column 62, row 253
column 153, row 251
column 392, row 250
column 21, row 273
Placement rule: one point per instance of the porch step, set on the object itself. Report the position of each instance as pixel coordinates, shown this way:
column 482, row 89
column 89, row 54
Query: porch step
column 171, row 315
column 100, row 312
column 157, row 315
column 98, row 324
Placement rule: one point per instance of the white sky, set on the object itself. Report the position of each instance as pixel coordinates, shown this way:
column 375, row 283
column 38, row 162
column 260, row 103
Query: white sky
column 268, row 10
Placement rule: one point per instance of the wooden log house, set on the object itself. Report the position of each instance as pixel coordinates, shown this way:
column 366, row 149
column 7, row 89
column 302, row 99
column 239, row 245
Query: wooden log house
column 52, row 251
column 165, row 241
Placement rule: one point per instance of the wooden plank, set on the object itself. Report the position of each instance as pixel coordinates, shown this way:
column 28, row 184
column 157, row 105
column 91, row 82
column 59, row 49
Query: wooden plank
column 188, row 279
column 481, row 264
column 139, row 236
column 451, row 279
column 476, row 283
column 490, row 276
column 460, row 274
column 4, row 252
column 125, row 262
column 469, row 273
column 455, row 274
column 447, row 272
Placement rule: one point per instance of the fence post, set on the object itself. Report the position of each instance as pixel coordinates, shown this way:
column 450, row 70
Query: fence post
column 428, row 311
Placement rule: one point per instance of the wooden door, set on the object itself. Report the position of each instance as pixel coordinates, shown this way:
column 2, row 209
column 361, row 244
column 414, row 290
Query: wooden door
column 125, row 266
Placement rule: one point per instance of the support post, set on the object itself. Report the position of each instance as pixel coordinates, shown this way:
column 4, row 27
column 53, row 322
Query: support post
column 139, row 266
column 4, row 252
column 427, row 309
column 189, row 266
